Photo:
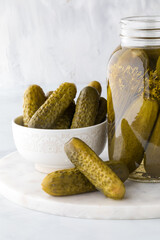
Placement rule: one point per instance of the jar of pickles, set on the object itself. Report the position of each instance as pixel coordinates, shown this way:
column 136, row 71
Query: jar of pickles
column 133, row 95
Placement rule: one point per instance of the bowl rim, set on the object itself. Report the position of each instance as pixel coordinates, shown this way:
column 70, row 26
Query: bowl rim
column 55, row 130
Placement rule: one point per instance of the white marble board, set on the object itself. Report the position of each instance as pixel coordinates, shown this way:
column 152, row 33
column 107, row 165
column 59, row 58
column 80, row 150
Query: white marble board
column 21, row 183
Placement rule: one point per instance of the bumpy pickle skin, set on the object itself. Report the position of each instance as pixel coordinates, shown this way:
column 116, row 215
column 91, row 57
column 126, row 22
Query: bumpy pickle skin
column 64, row 121
column 96, row 85
column 72, row 181
column 152, row 154
column 86, row 108
column 131, row 137
column 102, row 110
column 33, row 98
column 94, row 169
column 53, row 107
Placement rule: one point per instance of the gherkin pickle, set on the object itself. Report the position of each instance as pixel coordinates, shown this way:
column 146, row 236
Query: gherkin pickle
column 64, row 121
column 96, row 85
column 127, row 78
column 153, row 55
column 53, row 107
column 86, row 108
column 72, row 181
column 158, row 67
column 102, row 110
column 152, row 154
column 94, row 169
column 33, row 98
column 130, row 140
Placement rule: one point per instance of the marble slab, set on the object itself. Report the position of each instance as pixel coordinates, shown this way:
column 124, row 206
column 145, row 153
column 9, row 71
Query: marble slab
column 21, row 183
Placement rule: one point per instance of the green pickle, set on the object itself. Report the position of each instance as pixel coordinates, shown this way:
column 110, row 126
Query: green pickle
column 64, row 121
column 94, row 169
column 158, row 67
column 53, row 107
column 33, row 98
column 72, row 181
column 96, row 85
column 126, row 80
column 153, row 55
column 86, row 108
column 152, row 154
column 102, row 110
column 130, row 140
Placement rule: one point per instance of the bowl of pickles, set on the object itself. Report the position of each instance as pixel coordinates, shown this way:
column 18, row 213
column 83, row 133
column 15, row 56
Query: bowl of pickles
column 50, row 120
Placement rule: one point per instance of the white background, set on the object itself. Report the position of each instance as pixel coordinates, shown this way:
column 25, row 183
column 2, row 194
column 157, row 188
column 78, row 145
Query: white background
column 51, row 41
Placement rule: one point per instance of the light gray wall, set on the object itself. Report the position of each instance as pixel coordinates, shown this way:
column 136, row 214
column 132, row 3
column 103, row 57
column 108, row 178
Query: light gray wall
column 51, row 41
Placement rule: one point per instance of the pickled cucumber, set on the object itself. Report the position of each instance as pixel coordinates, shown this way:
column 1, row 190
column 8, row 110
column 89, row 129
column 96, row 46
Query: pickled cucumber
column 110, row 114
column 152, row 154
column 97, row 172
column 86, row 108
column 102, row 110
column 72, row 181
column 33, row 98
column 64, row 121
column 127, row 79
column 96, row 85
column 53, row 107
column 131, row 137
column 153, row 55
column 158, row 67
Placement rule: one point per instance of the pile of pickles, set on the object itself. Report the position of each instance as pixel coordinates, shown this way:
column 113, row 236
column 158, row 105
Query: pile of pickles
column 57, row 109
column 133, row 100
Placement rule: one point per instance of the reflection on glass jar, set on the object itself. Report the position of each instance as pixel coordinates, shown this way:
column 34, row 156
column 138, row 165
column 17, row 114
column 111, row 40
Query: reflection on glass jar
column 133, row 94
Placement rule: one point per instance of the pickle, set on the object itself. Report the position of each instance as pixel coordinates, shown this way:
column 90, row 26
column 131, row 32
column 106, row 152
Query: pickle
column 158, row 67
column 127, row 77
column 102, row 110
column 97, row 172
column 152, row 154
column 86, row 108
column 48, row 94
column 33, row 98
column 72, row 181
column 130, row 140
column 153, row 55
column 135, row 58
column 132, row 152
column 64, row 121
column 53, row 107
column 96, row 85
column 110, row 107
column 110, row 114
column 120, row 169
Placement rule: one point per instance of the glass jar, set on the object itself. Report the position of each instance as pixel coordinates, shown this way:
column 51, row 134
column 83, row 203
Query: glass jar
column 133, row 95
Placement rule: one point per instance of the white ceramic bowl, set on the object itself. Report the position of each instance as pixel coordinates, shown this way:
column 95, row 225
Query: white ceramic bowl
column 45, row 147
